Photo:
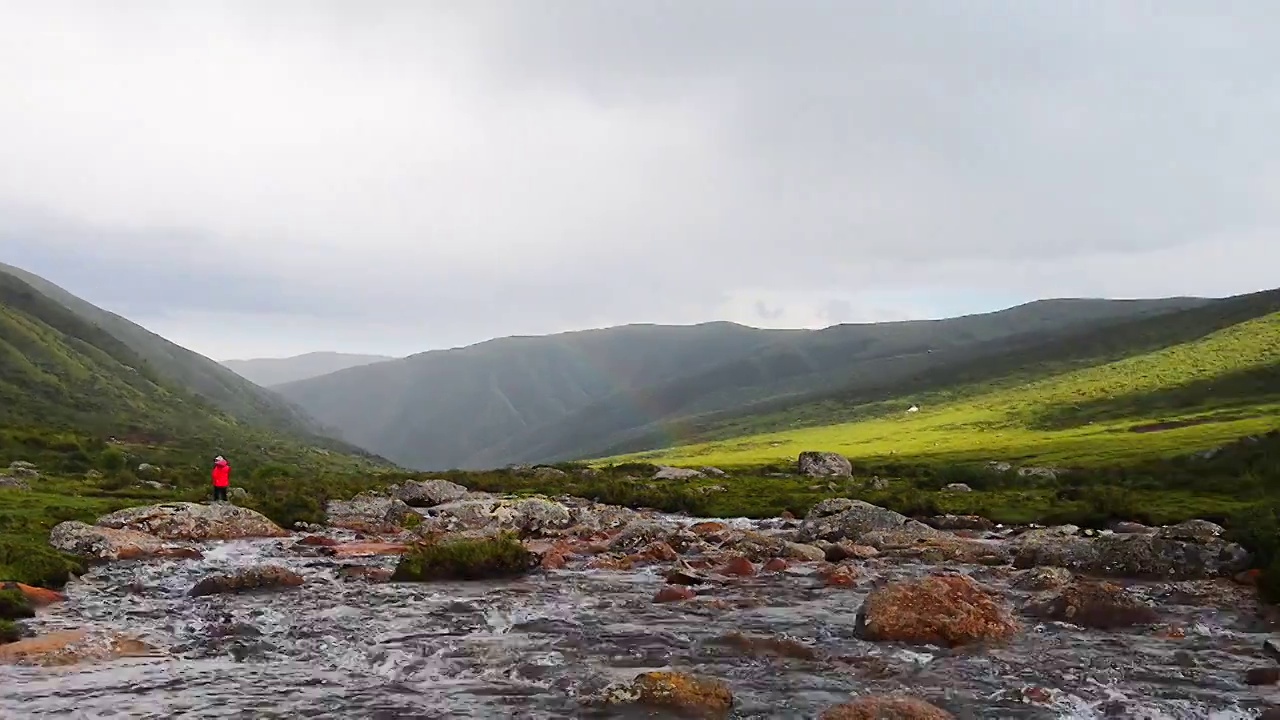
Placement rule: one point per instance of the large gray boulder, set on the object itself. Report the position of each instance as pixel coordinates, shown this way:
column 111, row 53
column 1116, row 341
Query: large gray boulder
column 675, row 473
column 193, row 521
column 824, row 464
column 429, row 493
column 1131, row 556
column 93, row 542
column 23, row 470
column 8, row 481
column 368, row 513
column 531, row 517
column 838, row 519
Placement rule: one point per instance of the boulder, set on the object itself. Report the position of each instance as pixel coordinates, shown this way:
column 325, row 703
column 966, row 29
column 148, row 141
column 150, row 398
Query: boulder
column 237, row 494
column 804, row 551
column 429, row 493
column 920, row 542
column 549, row 473
column 1131, row 528
column 675, row 473
column 23, row 470
column 685, row 695
column 674, row 593
column 93, row 542
column 838, row 519
column 713, row 472
column 71, row 647
column 1098, row 605
column 528, row 516
column 36, row 596
column 849, row 550
column 766, row 646
column 193, row 522
column 639, row 534
column 1196, row 531
column 948, row 611
column 1044, row 578
column 262, row 577
column 145, row 469
column 1131, row 556
column 13, row 483
column 882, row 707
column 957, row 487
column 824, row 464
column 960, row 522
column 368, row 513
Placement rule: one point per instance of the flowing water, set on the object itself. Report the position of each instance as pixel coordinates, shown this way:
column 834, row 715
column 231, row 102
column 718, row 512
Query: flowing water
column 541, row 646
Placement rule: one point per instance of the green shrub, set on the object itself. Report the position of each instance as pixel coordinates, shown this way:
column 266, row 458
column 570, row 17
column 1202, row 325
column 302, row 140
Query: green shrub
column 481, row 559
column 11, row 631
column 32, row 562
column 14, row 605
column 112, row 460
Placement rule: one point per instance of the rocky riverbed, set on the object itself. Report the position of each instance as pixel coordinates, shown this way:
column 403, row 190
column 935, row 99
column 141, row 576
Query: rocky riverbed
column 205, row 611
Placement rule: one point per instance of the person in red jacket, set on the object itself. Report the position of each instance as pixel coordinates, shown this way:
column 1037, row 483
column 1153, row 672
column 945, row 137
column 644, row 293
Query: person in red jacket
column 221, row 478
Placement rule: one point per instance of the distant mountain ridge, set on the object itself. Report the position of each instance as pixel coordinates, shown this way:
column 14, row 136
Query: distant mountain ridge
column 566, row 396
column 269, row 372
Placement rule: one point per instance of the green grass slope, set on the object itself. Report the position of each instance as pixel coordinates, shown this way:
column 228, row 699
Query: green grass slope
column 1175, row 399
column 185, row 369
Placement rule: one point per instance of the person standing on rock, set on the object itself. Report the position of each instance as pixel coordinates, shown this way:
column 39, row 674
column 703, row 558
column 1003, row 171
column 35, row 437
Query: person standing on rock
column 221, row 478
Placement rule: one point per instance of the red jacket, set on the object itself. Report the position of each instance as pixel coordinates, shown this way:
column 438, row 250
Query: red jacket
column 221, row 474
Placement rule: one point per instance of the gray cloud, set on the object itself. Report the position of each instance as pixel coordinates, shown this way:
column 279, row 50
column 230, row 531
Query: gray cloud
column 260, row 178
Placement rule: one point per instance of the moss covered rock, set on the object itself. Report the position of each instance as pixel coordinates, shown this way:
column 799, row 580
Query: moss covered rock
column 484, row 558
column 14, row 604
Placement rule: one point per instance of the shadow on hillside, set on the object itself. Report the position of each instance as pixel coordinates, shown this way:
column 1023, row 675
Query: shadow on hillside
column 1227, row 397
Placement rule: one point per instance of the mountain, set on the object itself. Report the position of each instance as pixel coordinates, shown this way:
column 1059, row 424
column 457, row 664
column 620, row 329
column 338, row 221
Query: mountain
column 268, row 372
column 1164, row 386
column 179, row 367
column 68, row 384
column 581, row 394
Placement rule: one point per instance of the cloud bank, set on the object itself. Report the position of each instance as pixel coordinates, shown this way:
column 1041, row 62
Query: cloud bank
column 271, row 178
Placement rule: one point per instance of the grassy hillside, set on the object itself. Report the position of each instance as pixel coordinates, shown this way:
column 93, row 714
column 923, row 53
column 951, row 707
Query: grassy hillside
column 1186, row 396
column 577, row 394
column 88, row 410
column 69, row 387
column 269, row 372
column 182, row 368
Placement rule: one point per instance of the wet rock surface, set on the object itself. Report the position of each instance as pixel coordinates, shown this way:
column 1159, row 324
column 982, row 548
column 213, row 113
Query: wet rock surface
column 562, row 641
column 193, row 522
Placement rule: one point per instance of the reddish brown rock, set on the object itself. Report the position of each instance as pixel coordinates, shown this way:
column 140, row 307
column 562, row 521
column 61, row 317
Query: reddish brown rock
column 610, row 562
column 775, row 565
column 658, row 551
column 180, row 553
column 839, row 576
column 357, row 549
column 1039, row 696
column 760, row 646
column 846, row 550
column 880, row 707
column 787, row 515
column 738, row 566
column 703, row 529
column 1262, row 676
column 69, row 647
column 263, row 577
column 949, row 611
column 318, row 541
column 686, row 694
column 37, row 596
column 674, row 593
column 554, row 561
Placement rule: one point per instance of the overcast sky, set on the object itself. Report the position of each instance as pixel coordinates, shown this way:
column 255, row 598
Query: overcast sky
column 263, row 179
